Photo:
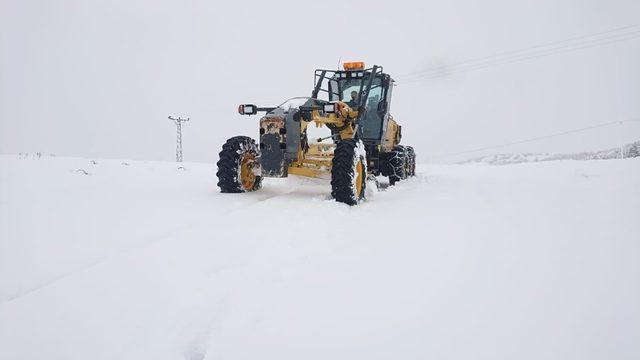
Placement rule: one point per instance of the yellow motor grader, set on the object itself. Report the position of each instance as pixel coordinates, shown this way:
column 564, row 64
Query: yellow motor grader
column 354, row 105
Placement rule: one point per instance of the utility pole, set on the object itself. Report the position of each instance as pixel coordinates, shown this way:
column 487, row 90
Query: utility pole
column 178, row 121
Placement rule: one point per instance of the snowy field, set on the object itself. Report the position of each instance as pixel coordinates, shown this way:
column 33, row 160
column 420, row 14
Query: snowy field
column 141, row 260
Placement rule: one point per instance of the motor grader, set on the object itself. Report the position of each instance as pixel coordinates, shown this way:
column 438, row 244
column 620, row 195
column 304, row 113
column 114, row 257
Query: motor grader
column 354, row 105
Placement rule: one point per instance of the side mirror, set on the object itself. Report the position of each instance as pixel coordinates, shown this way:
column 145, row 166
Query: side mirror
column 247, row 109
column 382, row 106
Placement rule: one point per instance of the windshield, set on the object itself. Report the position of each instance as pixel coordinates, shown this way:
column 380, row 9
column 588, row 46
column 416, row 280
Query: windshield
column 348, row 90
column 371, row 121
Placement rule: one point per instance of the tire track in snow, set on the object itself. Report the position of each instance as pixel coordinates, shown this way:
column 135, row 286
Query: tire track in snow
column 171, row 233
column 154, row 239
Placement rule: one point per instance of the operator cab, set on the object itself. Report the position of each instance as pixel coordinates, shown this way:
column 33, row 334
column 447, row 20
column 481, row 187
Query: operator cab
column 347, row 85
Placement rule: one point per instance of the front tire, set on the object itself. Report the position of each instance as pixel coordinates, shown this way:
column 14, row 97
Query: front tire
column 349, row 172
column 238, row 166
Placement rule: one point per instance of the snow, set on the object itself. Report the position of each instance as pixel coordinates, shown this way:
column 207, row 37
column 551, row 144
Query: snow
column 625, row 151
column 142, row 260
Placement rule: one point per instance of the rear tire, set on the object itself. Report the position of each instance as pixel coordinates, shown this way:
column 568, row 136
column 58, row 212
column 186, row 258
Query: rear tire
column 395, row 164
column 349, row 172
column 411, row 159
column 239, row 157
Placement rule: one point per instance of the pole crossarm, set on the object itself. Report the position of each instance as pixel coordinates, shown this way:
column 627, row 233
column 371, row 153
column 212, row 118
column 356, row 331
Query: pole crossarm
column 178, row 119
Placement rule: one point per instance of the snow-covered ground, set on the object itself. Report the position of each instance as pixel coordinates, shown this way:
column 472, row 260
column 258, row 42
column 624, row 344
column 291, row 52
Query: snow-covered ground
column 141, row 260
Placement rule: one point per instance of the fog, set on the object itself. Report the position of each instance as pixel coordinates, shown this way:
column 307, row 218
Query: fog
column 99, row 78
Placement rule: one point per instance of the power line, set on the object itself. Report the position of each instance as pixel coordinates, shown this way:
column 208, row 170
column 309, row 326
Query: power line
column 567, row 132
column 505, row 57
column 524, row 51
column 511, row 52
column 512, row 60
column 441, row 72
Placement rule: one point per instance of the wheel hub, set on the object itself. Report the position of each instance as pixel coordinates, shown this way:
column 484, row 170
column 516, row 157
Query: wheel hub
column 247, row 176
column 359, row 178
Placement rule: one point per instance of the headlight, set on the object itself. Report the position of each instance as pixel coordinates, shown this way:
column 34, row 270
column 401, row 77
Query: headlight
column 330, row 108
column 247, row 109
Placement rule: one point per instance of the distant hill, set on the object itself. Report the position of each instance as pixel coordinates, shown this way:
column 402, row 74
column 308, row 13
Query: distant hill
column 629, row 150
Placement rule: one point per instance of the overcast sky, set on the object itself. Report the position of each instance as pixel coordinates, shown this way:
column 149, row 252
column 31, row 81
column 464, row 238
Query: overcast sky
column 99, row 78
